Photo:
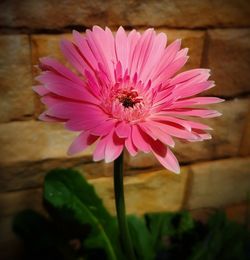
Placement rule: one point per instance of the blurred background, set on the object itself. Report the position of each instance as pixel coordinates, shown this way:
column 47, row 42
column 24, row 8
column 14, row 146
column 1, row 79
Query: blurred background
column 214, row 174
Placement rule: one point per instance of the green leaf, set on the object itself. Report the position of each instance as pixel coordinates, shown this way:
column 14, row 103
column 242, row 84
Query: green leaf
column 224, row 240
column 41, row 239
column 141, row 238
column 73, row 199
column 165, row 225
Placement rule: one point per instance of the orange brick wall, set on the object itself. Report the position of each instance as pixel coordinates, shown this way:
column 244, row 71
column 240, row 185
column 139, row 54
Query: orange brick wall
column 215, row 173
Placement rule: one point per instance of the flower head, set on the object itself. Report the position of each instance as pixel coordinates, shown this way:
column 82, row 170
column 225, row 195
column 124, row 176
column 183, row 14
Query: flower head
column 126, row 94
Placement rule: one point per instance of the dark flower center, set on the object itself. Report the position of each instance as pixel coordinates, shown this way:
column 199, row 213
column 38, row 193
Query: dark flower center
column 129, row 98
column 127, row 102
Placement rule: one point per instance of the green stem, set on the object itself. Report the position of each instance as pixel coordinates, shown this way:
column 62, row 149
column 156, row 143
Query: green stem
column 120, row 208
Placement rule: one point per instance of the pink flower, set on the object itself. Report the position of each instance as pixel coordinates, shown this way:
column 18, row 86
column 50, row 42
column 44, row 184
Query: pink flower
column 127, row 94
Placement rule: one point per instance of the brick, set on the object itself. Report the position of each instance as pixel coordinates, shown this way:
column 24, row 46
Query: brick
column 141, row 161
column 13, row 202
column 163, row 190
column 219, row 183
column 212, row 184
column 179, row 14
column 11, row 247
column 245, row 142
column 16, row 96
column 234, row 212
column 52, row 14
column 150, row 192
column 226, row 138
column 239, row 213
column 228, row 56
column 30, row 141
column 47, row 45
column 24, row 175
column 6, row 229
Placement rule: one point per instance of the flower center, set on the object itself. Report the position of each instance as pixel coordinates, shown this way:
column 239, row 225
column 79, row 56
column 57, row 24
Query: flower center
column 129, row 98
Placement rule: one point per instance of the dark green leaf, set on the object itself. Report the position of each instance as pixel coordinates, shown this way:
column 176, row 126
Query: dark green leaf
column 165, row 225
column 141, row 238
column 41, row 239
column 72, row 198
column 224, row 240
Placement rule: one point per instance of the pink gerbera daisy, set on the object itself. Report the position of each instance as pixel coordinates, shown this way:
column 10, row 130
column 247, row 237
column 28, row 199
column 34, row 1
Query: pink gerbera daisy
column 127, row 94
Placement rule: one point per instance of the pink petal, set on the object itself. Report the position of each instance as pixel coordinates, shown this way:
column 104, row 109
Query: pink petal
column 47, row 118
column 121, row 46
column 139, row 139
column 114, row 147
column 181, row 122
column 189, row 125
column 156, row 133
column 172, row 129
column 130, row 146
column 197, row 101
column 133, row 38
column 74, row 110
column 155, row 56
column 194, row 75
column 191, row 89
column 205, row 113
column 123, row 129
column 103, row 128
column 58, row 68
column 202, row 134
column 168, row 57
column 72, row 55
column 197, row 125
column 85, row 51
column 102, row 45
column 93, row 83
column 142, row 51
column 81, row 143
column 64, row 87
column 40, row 90
column 51, row 100
column 165, row 156
column 171, row 69
column 99, row 153
column 96, row 121
column 82, row 123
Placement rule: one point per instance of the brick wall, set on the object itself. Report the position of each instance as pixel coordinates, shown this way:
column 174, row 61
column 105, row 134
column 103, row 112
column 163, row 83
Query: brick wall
column 215, row 173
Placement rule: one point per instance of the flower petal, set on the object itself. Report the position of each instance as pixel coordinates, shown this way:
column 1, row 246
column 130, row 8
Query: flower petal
column 130, row 146
column 41, row 90
column 81, row 143
column 66, row 88
column 156, row 133
column 99, row 153
column 165, row 156
column 139, row 139
column 121, row 47
column 73, row 56
column 56, row 67
column 114, row 147
column 123, row 129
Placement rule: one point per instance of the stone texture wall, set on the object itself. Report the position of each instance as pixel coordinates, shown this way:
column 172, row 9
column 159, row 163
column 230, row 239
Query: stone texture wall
column 215, row 173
